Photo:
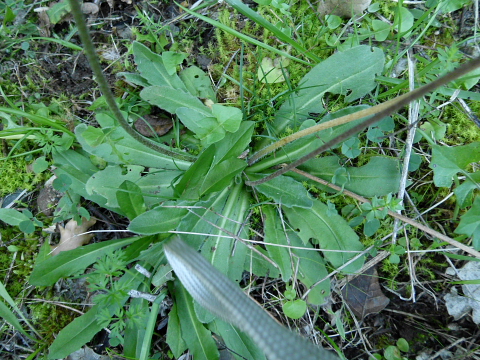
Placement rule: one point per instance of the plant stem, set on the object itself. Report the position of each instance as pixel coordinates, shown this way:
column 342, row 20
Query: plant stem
column 105, row 89
column 383, row 110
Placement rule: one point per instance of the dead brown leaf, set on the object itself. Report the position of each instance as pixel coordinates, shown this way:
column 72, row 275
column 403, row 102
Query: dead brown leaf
column 72, row 235
column 151, row 123
column 364, row 295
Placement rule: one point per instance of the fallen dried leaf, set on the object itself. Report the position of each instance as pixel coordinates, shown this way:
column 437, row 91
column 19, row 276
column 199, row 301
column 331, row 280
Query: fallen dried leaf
column 72, row 235
column 363, row 294
column 459, row 306
column 150, row 124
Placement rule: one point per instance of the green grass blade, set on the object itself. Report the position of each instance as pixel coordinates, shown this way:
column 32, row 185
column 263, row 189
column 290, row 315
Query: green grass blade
column 67, row 44
column 243, row 36
column 7, row 315
column 144, row 354
column 260, row 20
column 40, row 120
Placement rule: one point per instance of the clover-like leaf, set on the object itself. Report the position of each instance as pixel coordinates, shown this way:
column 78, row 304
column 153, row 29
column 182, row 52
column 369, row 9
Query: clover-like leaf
column 269, row 73
column 294, row 309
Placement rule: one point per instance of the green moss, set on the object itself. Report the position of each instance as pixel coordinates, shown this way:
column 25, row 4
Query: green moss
column 49, row 318
column 14, row 175
column 390, row 272
column 461, row 129
column 20, row 266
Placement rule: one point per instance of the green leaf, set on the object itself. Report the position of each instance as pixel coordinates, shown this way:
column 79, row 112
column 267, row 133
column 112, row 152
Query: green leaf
column 134, row 79
column 12, row 216
column 221, row 175
column 152, row 68
column 94, row 136
column 380, row 176
column 172, row 99
column 189, row 185
column 200, row 220
column 27, row 226
column 371, row 227
column 311, row 270
column 7, row 315
column 8, row 17
column 62, row 183
column 76, row 334
column 159, row 220
column 198, row 83
column 403, row 345
column 198, row 339
column 237, row 341
column 233, row 144
column 135, row 329
column 403, row 19
column 294, row 309
column 333, row 21
column 49, row 271
column 228, row 117
column 453, row 5
column 210, row 132
column 290, row 293
column 351, row 148
column 157, row 185
column 382, row 30
column 174, row 335
column 394, row 259
column 226, row 254
column 275, row 234
column 337, row 75
column 171, row 59
column 269, row 73
column 464, row 191
column 120, row 148
column 470, row 223
column 392, row 353
column 291, row 151
column 130, row 199
column 107, row 181
column 285, row 191
column 78, row 168
column 331, row 232
column 40, row 165
column 257, row 264
column 58, row 11
column 448, row 161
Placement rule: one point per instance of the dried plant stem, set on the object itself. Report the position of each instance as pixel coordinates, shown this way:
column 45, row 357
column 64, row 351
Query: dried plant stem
column 405, row 219
column 105, row 88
